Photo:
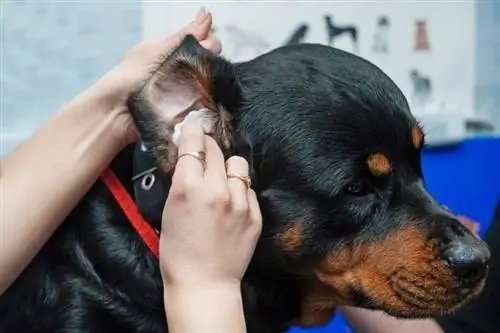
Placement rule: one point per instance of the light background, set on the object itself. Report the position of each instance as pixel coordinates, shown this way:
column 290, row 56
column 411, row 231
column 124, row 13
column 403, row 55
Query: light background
column 50, row 50
column 53, row 49
column 450, row 25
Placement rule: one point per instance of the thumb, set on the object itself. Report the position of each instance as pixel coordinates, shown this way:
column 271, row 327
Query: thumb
column 199, row 28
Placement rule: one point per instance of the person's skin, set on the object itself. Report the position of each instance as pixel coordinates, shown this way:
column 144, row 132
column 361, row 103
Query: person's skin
column 211, row 223
column 76, row 144
column 367, row 321
column 43, row 179
column 210, row 229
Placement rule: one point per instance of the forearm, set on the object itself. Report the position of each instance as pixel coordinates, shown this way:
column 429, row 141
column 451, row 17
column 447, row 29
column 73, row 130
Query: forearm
column 365, row 321
column 47, row 175
column 205, row 310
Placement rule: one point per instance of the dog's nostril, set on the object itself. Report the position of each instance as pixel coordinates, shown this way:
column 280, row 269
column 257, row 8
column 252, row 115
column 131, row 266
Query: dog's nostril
column 468, row 263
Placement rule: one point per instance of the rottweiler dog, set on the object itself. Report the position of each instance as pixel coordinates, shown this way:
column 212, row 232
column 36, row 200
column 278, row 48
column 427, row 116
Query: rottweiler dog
column 335, row 157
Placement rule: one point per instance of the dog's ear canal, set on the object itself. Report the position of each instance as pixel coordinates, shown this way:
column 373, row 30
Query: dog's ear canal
column 191, row 82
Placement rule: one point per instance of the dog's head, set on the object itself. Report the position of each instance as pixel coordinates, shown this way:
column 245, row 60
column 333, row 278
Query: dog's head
column 335, row 155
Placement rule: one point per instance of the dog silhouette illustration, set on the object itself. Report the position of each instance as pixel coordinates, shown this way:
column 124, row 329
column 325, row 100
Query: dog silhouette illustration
column 381, row 38
column 422, row 88
column 298, row 35
column 241, row 40
column 334, row 31
column 421, row 36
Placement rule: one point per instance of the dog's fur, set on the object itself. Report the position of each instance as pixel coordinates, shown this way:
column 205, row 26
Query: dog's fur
column 335, row 158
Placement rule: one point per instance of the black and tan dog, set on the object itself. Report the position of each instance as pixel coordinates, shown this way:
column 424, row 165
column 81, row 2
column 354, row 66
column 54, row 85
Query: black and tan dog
column 335, row 158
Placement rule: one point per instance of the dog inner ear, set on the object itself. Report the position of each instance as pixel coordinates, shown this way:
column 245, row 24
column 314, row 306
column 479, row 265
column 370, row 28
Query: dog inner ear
column 191, row 83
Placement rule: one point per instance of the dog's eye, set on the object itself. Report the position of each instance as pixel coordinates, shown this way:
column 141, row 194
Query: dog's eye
column 356, row 188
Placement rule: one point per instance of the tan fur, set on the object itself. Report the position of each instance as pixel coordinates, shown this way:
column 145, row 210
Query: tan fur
column 291, row 239
column 379, row 164
column 401, row 272
column 417, row 136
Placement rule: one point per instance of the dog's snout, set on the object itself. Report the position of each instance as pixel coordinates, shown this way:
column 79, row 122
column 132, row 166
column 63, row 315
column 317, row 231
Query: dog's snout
column 465, row 255
column 467, row 259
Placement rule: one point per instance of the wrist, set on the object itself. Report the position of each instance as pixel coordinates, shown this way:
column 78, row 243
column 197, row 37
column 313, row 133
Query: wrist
column 202, row 287
column 108, row 122
column 204, row 308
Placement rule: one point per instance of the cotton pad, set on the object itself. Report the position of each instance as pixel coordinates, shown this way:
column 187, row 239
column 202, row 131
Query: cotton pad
column 202, row 116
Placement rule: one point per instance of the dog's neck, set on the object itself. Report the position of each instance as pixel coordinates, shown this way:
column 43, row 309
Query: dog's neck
column 150, row 185
column 267, row 292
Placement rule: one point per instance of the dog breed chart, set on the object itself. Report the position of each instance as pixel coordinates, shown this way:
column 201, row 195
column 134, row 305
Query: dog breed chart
column 242, row 40
column 421, row 89
column 421, row 36
column 381, row 35
column 417, row 44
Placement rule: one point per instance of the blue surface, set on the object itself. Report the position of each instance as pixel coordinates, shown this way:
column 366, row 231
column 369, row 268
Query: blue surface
column 466, row 178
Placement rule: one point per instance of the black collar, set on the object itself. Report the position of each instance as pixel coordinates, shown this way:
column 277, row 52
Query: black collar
column 150, row 186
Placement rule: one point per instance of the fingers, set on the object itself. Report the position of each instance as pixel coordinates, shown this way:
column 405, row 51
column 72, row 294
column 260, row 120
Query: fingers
column 215, row 169
column 199, row 28
column 213, row 44
column 253, row 206
column 192, row 140
column 237, row 166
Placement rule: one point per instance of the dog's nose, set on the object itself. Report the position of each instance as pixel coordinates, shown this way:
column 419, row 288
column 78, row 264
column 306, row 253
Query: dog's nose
column 467, row 259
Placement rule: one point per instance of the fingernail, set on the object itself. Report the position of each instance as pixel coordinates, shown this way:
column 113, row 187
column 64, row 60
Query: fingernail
column 201, row 16
column 190, row 127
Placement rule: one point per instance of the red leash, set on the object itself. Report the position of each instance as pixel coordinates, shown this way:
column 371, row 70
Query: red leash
column 144, row 229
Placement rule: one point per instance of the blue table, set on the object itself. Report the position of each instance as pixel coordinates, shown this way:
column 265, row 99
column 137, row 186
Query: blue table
column 466, row 178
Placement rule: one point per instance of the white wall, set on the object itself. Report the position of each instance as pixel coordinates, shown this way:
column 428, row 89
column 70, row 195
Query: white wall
column 487, row 94
column 449, row 63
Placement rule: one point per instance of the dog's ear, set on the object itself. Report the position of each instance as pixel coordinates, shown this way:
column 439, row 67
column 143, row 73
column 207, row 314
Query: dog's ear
column 191, row 82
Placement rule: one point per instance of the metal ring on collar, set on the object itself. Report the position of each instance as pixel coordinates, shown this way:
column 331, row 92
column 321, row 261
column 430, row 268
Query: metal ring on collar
column 148, row 181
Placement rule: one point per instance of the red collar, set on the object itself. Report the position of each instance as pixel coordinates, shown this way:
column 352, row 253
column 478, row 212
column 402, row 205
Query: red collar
column 143, row 228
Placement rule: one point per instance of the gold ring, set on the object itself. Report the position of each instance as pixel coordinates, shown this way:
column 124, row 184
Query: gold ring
column 246, row 180
column 199, row 155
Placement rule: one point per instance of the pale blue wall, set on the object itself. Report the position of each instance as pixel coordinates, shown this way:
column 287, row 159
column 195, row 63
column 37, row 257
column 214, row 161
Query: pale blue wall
column 52, row 50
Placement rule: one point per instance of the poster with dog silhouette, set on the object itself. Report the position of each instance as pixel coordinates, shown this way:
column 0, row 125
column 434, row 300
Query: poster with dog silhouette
column 398, row 37
column 421, row 36
column 298, row 35
column 242, row 40
column 335, row 31
column 421, row 95
column 381, row 36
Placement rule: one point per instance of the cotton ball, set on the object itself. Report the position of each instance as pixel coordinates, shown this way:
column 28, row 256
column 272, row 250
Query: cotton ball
column 201, row 116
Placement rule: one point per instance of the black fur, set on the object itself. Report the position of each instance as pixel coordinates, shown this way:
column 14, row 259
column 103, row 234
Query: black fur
column 311, row 115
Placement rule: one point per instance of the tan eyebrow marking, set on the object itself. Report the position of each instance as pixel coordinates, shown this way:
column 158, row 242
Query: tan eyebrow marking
column 379, row 164
column 417, row 136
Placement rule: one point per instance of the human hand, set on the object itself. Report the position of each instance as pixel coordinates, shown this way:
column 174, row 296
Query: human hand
column 211, row 223
column 137, row 66
column 470, row 224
